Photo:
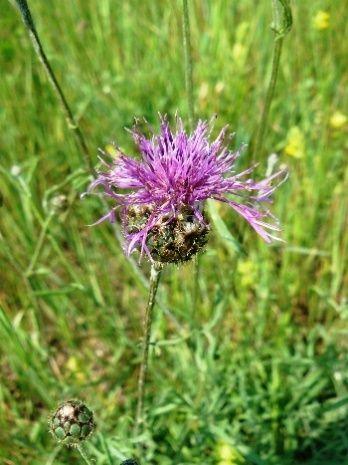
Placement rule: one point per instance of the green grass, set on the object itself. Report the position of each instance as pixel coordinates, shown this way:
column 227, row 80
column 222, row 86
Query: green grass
column 261, row 364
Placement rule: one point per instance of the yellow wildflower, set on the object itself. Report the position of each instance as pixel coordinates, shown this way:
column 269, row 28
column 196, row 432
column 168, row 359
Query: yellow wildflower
column 228, row 455
column 111, row 150
column 73, row 366
column 247, row 271
column 219, row 88
column 295, row 146
column 338, row 120
column 321, row 20
column 239, row 52
column 239, row 49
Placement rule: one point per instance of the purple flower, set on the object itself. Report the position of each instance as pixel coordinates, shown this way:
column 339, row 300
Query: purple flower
column 177, row 172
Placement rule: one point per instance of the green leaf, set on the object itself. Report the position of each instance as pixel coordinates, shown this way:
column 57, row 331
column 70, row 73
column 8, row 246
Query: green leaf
column 232, row 244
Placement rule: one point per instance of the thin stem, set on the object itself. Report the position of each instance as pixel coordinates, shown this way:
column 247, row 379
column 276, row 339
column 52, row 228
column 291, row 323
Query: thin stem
column 24, row 10
column 188, row 62
column 282, row 22
column 269, row 96
column 154, row 280
column 84, row 454
column 53, row 455
column 196, row 273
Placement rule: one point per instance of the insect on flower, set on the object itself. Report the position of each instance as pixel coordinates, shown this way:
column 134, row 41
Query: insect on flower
column 162, row 194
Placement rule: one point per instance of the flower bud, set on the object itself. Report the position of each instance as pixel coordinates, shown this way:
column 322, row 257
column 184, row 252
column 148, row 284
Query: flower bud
column 59, row 203
column 72, row 422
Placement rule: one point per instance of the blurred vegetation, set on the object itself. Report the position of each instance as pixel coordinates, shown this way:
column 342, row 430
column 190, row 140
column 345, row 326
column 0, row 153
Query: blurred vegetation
column 257, row 373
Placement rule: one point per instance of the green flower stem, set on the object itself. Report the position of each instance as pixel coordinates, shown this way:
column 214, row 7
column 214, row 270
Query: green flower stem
column 188, row 62
column 196, row 273
column 282, row 22
column 52, row 457
column 84, row 454
column 154, row 280
column 269, row 97
column 24, row 10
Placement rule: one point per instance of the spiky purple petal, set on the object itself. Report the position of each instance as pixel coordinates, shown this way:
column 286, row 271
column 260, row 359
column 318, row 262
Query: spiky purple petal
column 178, row 170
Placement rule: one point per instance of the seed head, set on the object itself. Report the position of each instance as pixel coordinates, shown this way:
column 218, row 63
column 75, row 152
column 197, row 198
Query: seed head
column 72, row 422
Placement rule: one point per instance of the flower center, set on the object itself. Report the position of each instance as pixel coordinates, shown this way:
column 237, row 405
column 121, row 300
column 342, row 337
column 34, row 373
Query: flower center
column 173, row 239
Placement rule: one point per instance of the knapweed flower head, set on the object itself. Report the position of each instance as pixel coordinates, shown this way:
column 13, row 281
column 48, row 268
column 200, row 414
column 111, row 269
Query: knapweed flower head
column 162, row 194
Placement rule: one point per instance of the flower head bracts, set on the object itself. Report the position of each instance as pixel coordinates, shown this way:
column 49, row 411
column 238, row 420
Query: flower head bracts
column 177, row 171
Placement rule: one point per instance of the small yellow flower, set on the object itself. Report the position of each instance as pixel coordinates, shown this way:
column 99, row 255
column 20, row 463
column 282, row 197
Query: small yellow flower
column 338, row 120
column 240, row 49
column 238, row 52
column 219, row 88
column 295, row 146
column 111, row 150
column 321, row 20
column 247, row 271
column 73, row 366
column 228, row 455
column 225, row 451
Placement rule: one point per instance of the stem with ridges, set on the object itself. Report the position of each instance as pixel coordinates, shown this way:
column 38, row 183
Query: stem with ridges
column 188, row 63
column 30, row 25
column 84, row 454
column 154, row 280
column 282, row 22
column 269, row 97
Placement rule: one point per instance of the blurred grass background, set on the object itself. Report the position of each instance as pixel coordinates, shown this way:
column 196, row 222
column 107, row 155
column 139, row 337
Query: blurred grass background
column 257, row 373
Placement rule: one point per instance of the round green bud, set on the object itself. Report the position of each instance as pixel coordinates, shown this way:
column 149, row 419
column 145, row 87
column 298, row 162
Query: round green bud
column 72, row 422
